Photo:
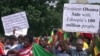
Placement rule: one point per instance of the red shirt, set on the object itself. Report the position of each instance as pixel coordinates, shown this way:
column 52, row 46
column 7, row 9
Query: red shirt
column 26, row 51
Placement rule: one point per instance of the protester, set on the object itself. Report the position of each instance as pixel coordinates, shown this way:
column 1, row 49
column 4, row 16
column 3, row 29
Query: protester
column 12, row 44
column 58, row 46
column 20, row 39
column 28, row 43
column 2, row 47
column 26, row 48
column 78, row 51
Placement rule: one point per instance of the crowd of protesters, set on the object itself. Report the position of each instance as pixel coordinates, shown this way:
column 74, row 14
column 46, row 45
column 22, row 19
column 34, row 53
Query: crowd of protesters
column 72, row 46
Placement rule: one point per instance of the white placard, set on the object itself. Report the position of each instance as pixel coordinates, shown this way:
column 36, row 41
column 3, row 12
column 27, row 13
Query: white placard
column 84, row 1
column 78, row 1
column 16, row 21
column 81, row 18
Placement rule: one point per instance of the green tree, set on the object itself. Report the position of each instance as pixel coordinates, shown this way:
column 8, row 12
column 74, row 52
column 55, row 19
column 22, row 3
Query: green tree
column 40, row 16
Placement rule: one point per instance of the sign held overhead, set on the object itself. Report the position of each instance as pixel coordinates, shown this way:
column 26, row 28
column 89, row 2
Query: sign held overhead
column 16, row 21
column 81, row 18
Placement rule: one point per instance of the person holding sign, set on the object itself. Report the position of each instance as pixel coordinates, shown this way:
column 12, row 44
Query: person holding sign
column 78, row 51
column 26, row 49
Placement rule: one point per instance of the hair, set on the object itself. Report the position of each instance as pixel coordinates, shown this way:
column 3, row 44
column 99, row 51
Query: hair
column 29, row 37
column 79, row 40
column 12, row 37
column 20, row 37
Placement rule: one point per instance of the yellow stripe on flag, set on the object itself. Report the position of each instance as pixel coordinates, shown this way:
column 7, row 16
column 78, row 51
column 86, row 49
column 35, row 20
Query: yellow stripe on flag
column 96, row 51
column 77, row 34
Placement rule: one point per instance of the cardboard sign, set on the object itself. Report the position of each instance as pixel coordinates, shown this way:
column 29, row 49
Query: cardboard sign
column 81, row 18
column 16, row 21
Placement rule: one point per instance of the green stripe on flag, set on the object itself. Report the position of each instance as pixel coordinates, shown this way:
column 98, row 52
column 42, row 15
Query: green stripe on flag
column 51, row 39
column 97, row 43
column 65, row 36
column 39, row 51
column 97, row 46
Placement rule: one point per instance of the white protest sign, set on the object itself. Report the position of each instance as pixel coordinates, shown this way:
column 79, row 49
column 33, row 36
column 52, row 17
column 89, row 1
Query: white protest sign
column 81, row 18
column 84, row 1
column 78, row 1
column 81, row 1
column 16, row 21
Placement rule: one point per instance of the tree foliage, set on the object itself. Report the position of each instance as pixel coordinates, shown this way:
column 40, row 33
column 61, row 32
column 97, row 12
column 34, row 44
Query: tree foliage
column 40, row 15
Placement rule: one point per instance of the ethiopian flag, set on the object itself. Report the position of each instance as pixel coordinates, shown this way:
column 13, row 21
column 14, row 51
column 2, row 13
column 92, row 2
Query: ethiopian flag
column 34, row 50
column 97, row 47
column 39, row 51
column 65, row 36
column 51, row 39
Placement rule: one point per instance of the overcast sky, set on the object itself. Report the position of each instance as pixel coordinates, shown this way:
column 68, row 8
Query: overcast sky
column 89, row 1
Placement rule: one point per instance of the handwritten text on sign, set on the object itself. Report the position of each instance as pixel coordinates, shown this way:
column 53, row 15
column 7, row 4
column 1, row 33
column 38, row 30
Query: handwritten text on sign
column 16, row 21
column 81, row 18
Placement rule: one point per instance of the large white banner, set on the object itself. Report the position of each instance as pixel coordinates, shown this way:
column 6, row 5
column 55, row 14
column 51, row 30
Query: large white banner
column 81, row 18
column 16, row 21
